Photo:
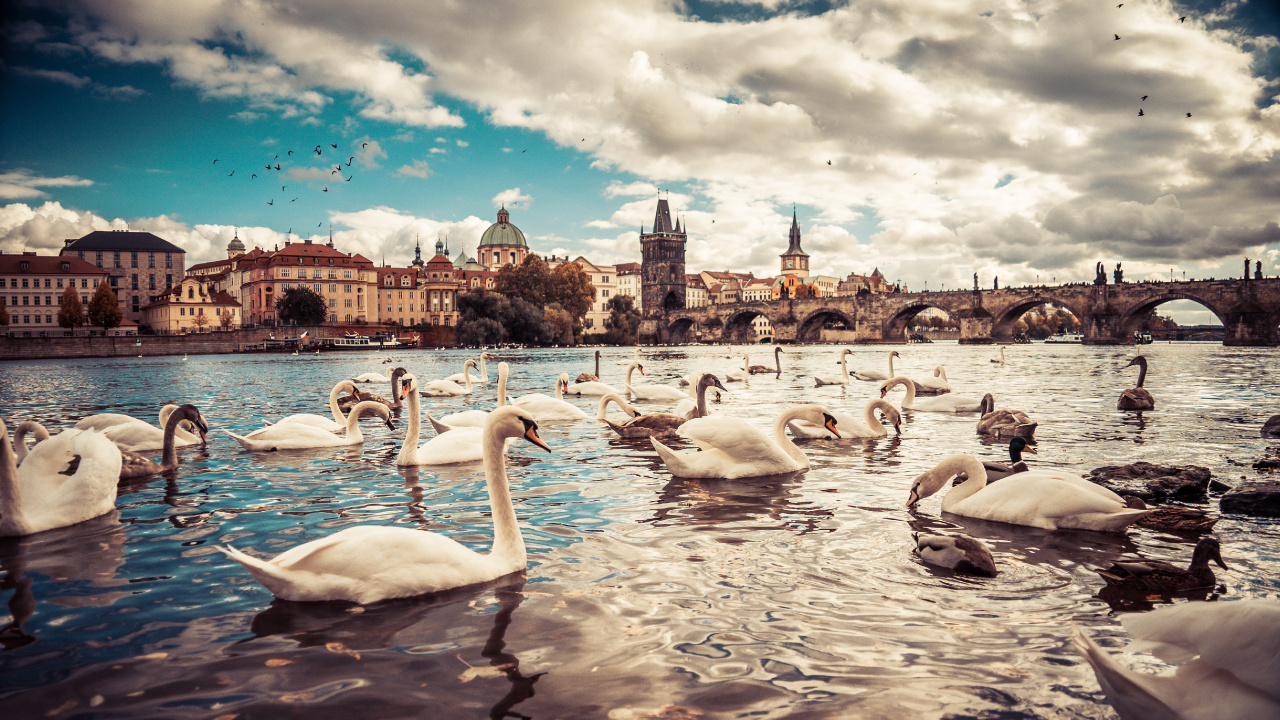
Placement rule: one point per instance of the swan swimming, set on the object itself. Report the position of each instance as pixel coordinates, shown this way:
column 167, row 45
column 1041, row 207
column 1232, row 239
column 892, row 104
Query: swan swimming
column 851, row 427
column 777, row 358
column 474, row 418
column 942, row 403
column 1137, row 397
column 548, row 409
column 874, row 375
column 482, row 379
column 67, row 479
column 447, row 388
column 339, row 421
column 139, row 435
column 652, row 392
column 842, row 378
column 731, row 448
column 368, row 563
column 656, row 424
column 299, row 436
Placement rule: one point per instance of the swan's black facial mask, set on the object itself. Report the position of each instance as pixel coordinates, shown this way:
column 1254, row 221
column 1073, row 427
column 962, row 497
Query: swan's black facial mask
column 531, row 434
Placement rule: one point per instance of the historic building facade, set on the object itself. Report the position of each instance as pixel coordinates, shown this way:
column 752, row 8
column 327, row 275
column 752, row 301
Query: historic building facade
column 346, row 282
column 31, row 287
column 663, row 283
column 192, row 306
column 138, row 264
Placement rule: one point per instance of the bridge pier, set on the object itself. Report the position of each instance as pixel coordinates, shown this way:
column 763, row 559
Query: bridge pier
column 1250, row 327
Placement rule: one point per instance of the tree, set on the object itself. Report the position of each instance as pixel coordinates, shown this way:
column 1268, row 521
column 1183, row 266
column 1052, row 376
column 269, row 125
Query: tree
column 571, row 287
column 70, row 311
column 528, row 281
column 4, row 313
column 478, row 319
column 200, row 320
column 525, row 323
column 560, row 323
column 301, row 305
column 104, row 309
column 623, row 323
column 226, row 318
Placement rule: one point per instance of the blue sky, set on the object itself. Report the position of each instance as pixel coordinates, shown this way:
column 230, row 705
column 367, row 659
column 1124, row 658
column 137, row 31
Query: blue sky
column 929, row 139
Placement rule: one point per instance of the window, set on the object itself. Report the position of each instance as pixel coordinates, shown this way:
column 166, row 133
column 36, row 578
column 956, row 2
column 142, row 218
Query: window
column 346, row 274
column 151, row 260
column 24, row 280
column 400, row 295
column 346, row 303
column 168, row 262
column 605, row 293
column 115, row 281
column 135, row 281
column 284, row 272
column 333, row 302
column 37, row 319
column 48, row 299
column 346, row 288
column 59, row 283
column 333, row 274
column 182, row 311
column 84, row 282
column 316, row 287
column 152, row 282
column 46, row 282
column 191, row 293
column 333, row 288
column 117, row 258
column 99, row 258
column 446, row 321
column 348, row 317
column 133, row 260
column 168, row 280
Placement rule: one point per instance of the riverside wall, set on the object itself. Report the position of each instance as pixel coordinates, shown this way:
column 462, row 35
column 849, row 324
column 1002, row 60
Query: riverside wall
column 230, row 341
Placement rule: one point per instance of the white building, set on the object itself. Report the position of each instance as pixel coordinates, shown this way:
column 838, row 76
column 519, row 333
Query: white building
column 629, row 283
column 605, row 279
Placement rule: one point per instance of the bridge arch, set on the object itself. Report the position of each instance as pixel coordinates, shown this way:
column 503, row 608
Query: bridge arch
column 1130, row 318
column 1002, row 328
column 809, row 328
column 896, row 326
column 738, row 327
column 682, row 330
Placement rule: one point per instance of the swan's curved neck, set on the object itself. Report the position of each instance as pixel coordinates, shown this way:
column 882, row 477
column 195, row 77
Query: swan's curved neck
column 484, row 370
column 410, row 446
column 910, row 386
column 507, row 542
column 869, row 415
column 605, row 399
column 630, row 370
column 1142, row 371
column 502, row 385
column 559, row 389
column 20, row 437
column 969, row 465
column 844, row 365
column 746, row 362
column 12, row 519
column 890, row 364
column 701, row 410
column 466, row 375
column 777, row 358
column 169, row 455
column 395, row 389
column 784, row 441
column 338, row 417
column 597, row 364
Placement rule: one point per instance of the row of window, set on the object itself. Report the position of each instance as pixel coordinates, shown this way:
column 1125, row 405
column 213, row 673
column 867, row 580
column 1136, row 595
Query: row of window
column 133, row 259
column 315, row 274
column 26, row 319
column 13, row 282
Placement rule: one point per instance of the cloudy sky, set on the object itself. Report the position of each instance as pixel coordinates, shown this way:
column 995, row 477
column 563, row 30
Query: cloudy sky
column 929, row 138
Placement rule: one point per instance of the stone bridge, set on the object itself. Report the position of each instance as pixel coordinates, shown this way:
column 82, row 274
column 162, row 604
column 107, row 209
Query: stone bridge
column 1249, row 311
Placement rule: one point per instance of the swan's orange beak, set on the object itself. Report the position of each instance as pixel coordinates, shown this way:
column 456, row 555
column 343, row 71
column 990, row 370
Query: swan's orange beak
column 404, row 390
column 884, row 391
column 531, row 434
column 640, row 368
column 831, row 424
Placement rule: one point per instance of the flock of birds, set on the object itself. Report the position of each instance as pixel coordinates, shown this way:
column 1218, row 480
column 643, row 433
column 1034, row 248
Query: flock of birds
column 274, row 165
column 1181, row 20
column 72, row 476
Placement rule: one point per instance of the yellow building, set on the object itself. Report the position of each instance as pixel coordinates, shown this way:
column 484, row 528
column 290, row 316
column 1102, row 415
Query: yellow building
column 193, row 306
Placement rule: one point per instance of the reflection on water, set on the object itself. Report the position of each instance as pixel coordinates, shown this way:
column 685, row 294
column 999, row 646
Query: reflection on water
column 785, row 596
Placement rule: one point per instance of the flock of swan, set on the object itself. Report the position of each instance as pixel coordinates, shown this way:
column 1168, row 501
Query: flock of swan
column 71, row 476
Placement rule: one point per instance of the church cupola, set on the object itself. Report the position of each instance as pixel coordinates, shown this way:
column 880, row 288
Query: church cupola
column 235, row 248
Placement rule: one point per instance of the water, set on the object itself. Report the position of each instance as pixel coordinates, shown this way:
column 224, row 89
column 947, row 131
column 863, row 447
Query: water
column 790, row 596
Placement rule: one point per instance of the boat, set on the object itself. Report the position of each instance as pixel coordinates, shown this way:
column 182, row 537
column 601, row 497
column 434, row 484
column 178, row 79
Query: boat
column 353, row 341
column 1065, row 339
column 1141, row 338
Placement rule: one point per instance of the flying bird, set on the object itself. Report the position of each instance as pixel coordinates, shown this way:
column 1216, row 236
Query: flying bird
column 1140, row 112
column 254, row 175
column 1117, row 36
column 353, row 157
column 1188, row 114
column 277, row 166
column 364, row 145
column 282, row 188
column 319, row 223
column 525, row 150
column 268, row 166
column 332, row 172
column 273, row 157
column 317, row 149
column 1144, row 97
column 1120, row 6
column 233, row 172
column 294, row 200
column 349, row 180
column 1182, row 19
column 326, row 189
column 333, row 145
column 272, row 201
column 215, row 161
column 828, row 162
column 290, row 152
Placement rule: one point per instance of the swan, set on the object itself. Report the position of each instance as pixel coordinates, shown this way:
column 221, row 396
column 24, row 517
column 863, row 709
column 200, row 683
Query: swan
column 740, row 375
column 1039, row 498
column 1001, row 358
column 867, row 426
column 696, row 404
column 942, row 403
column 997, row 471
column 483, row 378
column 1154, row 576
column 936, row 385
column 368, row 563
column 298, row 436
column 339, row 420
column 69, row 478
column 635, row 359
column 139, row 436
column 1004, row 423
column 1230, row 665
column 102, row 421
column 548, row 409
column 656, row 424
column 371, row 377
column 842, row 378
column 777, row 358
column 1137, row 398
column 960, row 553
column 347, row 402
column 732, row 448
column 585, row 377
column 652, row 392
column 873, row 375
column 447, row 388
column 453, row 445
column 473, row 418
column 133, row 465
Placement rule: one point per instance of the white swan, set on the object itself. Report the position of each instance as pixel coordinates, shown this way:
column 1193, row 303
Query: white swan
column 69, row 478
column 635, row 359
column 371, row 377
column 482, row 379
column 1230, row 663
column 942, row 403
column 732, row 448
column 740, row 375
column 1039, row 498
column 1001, row 358
column 652, row 392
column 842, row 378
column 851, row 427
column 139, row 436
column 447, row 388
column 475, row 418
column 339, row 421
column 696, row 404
column 453, row 445
column 935, row 385
column 548, row 409
column 297, row 436
column 777, row 359
column 368, row 563
column 873, row 375
column 102, row 421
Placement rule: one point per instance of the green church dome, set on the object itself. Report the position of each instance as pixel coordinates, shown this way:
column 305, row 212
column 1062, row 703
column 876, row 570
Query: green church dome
column 503, row 232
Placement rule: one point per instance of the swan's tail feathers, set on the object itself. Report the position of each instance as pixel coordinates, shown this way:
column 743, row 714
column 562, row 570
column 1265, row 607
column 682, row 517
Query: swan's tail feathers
column 1114, row 521
column 244, row 441
column 440, row 427
column 612, row 425
column 1125, row 689
column 669, row 457
column 272, row 578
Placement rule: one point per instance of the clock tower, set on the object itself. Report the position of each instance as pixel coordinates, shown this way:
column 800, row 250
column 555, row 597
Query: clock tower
column 795, row 261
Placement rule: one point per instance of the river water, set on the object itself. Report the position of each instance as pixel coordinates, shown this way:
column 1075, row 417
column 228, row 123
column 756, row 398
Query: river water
column 646, row 596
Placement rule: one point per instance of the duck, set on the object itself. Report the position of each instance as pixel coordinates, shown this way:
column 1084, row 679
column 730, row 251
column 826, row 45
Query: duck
column 551, row 409
column 1230, row 667
column 346, row 402
column 1000, row 359
column 1172, row 518
column 482, row 379
column 663, row 425
column 1137, row 398
column 1004, row 423
column 936, row 385
column 67, row 479
column 942, row 403
column 851, row 427
column 875, row 375
column 1046, row 499
column 1155, row 576
column 731, row 448
column 369, row 563
column 339, row 421
column 843, row 377
column 777, row 359
column 586, row 377
column 141, row 435
column 473, row 418
column 652, row 392
column 960, row 553
column 299, row 436
column 448, row 388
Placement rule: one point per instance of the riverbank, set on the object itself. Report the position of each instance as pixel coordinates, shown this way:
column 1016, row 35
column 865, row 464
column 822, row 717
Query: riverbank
column 229, row 341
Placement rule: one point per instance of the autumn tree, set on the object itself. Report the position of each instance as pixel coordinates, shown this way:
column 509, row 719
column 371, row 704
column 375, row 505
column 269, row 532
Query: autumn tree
column 528, row 281
column 226, row 318
column 104, row 309
column 478, row 318
column 571, row 287
column 70, row 311
column 560, row 323
column 200, row 320
column 4, row 313
column 301, row 305
column 623, row 323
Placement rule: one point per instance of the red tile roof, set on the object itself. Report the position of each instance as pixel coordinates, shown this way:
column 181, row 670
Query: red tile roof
column 47, row 265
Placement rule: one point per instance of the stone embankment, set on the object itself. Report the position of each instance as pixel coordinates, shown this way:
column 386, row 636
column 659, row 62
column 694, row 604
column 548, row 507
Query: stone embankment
column 127, row 346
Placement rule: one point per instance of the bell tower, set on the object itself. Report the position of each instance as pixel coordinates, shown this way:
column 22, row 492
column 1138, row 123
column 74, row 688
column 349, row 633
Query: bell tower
column 662, row 278
column 795, row 261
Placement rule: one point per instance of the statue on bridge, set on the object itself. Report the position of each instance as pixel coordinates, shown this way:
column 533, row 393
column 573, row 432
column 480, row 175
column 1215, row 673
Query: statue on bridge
column 995, row 284
column 1119, row 274
column 1100, row 274
column 975, row 281
column 1246, row 268
column 1257, row 271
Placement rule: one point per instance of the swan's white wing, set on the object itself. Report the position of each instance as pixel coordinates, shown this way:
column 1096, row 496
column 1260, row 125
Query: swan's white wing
column 459, row 445
column 313, row 420
column 732, row 436
column 102, row 421
column 466, row 418
column 1038, row 499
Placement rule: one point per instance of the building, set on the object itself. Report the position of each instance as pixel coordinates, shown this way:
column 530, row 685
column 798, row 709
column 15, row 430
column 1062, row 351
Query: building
column 725, row 287
column 855, row 284
column 194, row 305
column 425, row 293
column 139, row 264
column 346, row 282
column 795, row 261
column 31, row 288
column 442, row 283
column 695, row 292
column 757, row 289
column 628, row 275
column 605, row 280
column 663, row 285
column 502, row 243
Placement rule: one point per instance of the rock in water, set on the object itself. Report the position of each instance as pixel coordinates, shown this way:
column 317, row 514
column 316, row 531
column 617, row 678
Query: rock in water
column 1271, row 428
column 1257, row 496
column 1154, row 483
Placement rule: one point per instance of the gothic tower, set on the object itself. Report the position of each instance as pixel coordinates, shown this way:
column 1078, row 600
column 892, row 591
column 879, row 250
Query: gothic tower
column 795, row 261
column 662, row 279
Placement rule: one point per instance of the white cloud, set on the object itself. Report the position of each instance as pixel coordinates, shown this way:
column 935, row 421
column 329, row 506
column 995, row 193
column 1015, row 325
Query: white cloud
column 511, row 197
column 462, row 143
column 21, row 184
column 369, row 153
column 418, row 169
column 438, row 151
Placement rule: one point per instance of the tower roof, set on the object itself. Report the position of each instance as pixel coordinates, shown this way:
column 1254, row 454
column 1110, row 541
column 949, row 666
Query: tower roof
column 662, row 218
column 235, row 245
column 794, row 247
column 503, row 232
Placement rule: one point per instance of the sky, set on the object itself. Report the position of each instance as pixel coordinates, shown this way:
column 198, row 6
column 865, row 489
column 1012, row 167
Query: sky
column 931, row 139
